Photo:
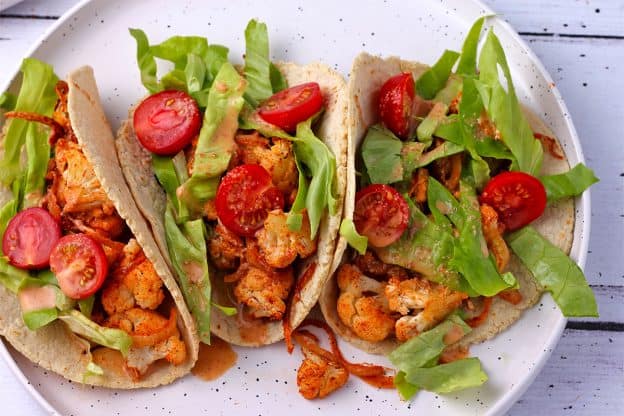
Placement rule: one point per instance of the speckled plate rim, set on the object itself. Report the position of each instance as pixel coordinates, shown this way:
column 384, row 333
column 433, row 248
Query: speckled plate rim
column 582, row 206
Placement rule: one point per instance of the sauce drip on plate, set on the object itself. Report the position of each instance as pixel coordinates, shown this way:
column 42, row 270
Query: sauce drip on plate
column 214, row 359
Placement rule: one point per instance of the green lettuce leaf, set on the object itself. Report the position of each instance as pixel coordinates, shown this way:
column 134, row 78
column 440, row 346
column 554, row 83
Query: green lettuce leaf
column 86, row 306
column 504, row 109
column 187, row 249
column 36, row 95
column 470, row 257
column 92, row 370
column 39, row 318
column 177, row 49
column 442, row 100
column 86, row 328
column 571, row 183
column 555, row 272
column 467, row 65
column 434, row 79
column 216, row 139
column 447, row 378
column 257, row 64
column 381, row 153
column 425, row 348
column 146, row 62
column 406, row 389
column 278, row 82
column 171, row 173
column 355, row 240
column 227, row 310
column 11, row 277
column 320, row 164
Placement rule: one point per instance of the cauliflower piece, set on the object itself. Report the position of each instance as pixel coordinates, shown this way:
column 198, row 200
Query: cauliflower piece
column 277, row 158
column 79, row 192
column 433, row 302
column 493, row 233
column 264, row 292
column 362, row 306
column 134, row 282
column 225, row 248
column 318, row 377
column 279, row 245
column 146, row 323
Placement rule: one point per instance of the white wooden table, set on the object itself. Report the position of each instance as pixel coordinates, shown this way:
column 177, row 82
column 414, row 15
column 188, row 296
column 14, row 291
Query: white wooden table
column 581, row 42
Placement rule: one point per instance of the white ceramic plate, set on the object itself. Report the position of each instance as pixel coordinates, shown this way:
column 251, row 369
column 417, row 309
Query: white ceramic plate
column 5, row 4
column 263, row 381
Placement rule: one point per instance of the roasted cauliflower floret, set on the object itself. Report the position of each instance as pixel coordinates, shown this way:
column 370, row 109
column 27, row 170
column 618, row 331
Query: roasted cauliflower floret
column 362, row 306
column 277, row 158
column 493, row 233
column 429, row 302
column 134, row 282
column 264, row 292
column 79, row 193
column 279, row 245
column 318, row 377
column 154, row 338
column 225, row 248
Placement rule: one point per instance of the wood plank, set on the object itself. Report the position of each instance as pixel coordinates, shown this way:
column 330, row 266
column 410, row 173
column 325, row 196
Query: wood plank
column 583, row 377
column 578, row 17
column 586, row 73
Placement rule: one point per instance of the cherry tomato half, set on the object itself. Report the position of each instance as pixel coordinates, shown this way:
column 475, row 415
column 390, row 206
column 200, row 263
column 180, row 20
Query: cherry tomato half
column 245, row 196
column 167, row 121
column 381, row 214
column 396, row 98
column 291, row 106
column 517, row 197
column 29, row 238
column 79, row 263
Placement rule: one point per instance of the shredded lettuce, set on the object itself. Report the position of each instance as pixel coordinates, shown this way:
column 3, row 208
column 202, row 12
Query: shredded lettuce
column 555, row 272
column 571, row 183
column 171, row 172
column 450, row 377
column 504, row 109
column 37, row 95
column 381, row 153
column 227, row 310
column 107, row 337
column 417, row 362
column 86, row 306
column 10, row 276
column 215, row 145
column 355, row 240
column 467, row 65
column 434, row 79
column 146, row 62
column 257, row 64
column 278, row 81
column 92, row 370
column 187, row 250
column 442, row 100
column 39, row 318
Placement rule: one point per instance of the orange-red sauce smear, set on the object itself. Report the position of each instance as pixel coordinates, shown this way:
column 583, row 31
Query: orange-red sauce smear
column 214, row 359
column 374, row 375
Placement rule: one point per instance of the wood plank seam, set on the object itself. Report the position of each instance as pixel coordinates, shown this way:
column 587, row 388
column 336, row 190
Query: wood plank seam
column 570, row 35
column 596, row 326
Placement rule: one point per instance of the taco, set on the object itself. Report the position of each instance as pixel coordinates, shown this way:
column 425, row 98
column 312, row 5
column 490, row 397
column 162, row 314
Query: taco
column 446, row 170
column 85, row 291
column 243, row 184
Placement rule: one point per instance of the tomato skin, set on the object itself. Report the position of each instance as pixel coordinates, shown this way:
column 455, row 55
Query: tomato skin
column 167, row 121
column 381, row 214
column 291, row 106
column 396, row 98
column 517, row 197
column 30, row 237
column 244, row 198
column 79, row 264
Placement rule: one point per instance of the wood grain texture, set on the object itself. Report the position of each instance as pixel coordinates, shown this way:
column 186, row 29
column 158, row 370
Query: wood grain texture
column 581, row 43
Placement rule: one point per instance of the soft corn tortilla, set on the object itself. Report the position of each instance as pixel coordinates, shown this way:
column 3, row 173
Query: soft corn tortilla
column 368, row 74
column 151, row 199
column 54, row 347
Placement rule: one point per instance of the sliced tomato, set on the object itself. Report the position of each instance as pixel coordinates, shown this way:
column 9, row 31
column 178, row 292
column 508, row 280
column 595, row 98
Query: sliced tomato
column 517, row 197
column 291, row 106
column 381, row 214
column 29, row 238
column 79, row 264
column 245, row 196
column 167, row 121
column 396, row 98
